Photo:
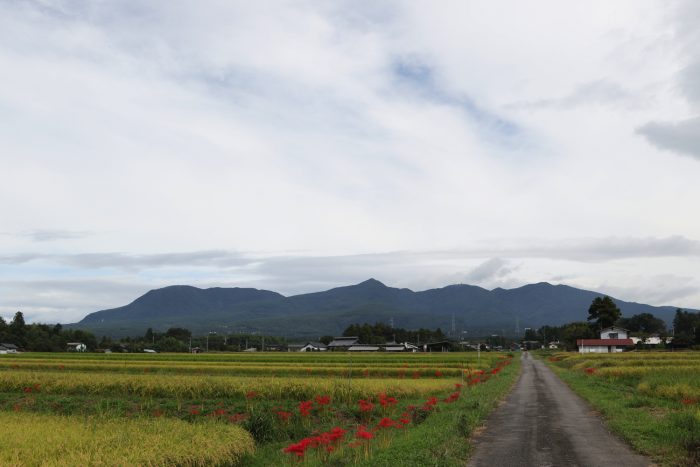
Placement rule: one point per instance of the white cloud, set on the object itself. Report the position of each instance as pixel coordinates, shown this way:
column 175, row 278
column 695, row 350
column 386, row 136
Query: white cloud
column 174, row 135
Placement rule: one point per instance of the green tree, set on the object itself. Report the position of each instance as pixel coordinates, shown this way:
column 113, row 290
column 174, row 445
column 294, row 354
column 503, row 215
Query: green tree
column 643, row 323
column 604, row 312
column 573, row 331
column 180, row 334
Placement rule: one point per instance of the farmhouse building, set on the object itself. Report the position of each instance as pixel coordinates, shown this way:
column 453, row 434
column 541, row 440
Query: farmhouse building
column 343, row 343
column 313, row 347
column 76, row 347
column 8, row 348
column 612, row 339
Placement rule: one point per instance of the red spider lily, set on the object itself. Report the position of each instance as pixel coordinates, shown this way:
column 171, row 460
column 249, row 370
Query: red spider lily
column 365, row 406
column 458, row 386
column 298, row 449
column 362, row 433
column 251, row 395
column 365, row 373
column 689, row 401
column 387, row 401
column 312, row 442
column 495, row 371
column 194, row 411
column 430, row 404
column 218, row 412
column 284, row 416
column 590, row 371
column 323, row 400
column 438, row 374
column 336, row 433
column 415, row 375
column 452, row 397
column 405, row 420
column 237, row 418
column 305, row 408
column 27, row 389
column 386, row 423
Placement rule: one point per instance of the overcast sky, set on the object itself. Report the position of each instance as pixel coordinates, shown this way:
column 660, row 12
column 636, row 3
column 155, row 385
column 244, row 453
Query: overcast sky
column 297, row 146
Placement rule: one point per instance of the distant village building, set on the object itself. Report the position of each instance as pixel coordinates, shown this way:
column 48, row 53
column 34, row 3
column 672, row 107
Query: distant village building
column 612, row 339
column 6, row 347
column 404, row 347
column 313, row 347
column 76, row 347
column 441, row 346
column 343, row 343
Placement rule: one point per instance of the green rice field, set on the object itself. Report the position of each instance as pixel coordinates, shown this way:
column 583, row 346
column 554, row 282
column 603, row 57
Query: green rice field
column 246, row 409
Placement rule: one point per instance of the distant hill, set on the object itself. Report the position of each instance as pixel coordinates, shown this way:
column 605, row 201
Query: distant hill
column 476, row 310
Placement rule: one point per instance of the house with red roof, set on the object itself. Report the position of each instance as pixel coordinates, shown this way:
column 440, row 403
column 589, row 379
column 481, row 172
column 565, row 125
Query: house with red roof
column 612, row 339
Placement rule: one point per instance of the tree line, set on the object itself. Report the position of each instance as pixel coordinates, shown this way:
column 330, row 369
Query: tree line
column 603, row 313
column 380, row 333
column 42, row 337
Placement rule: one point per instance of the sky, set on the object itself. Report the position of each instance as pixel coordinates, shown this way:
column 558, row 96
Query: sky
column 301, row 145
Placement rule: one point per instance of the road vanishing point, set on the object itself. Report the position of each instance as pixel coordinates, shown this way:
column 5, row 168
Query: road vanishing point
column 543, row 423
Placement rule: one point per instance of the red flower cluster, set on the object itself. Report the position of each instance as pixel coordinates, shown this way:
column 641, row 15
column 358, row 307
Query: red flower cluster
column 438, row 374
column 590, row 371
column 194, row 410
column 452, row 397
column 284, row 416
column 305, row 408
column 217, row 413
column 386, row 422
column 689, row 401
column 430, row 404
column 251, row 395
column 387, row 401
column 30, row 389
column 362, row 433
column 323, row 400
column 237, row 417
column 324, row 440
column 365, row 405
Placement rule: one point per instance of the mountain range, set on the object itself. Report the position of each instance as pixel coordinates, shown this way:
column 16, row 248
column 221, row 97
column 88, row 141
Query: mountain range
column 475, row 311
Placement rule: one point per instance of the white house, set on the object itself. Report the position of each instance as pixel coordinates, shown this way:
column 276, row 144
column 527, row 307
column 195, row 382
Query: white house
column 612, row 339
column 8, row 348
column 76, row 347
column 313, row 347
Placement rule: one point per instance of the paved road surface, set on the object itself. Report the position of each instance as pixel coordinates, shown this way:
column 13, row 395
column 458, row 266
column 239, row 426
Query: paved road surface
column 543, row 423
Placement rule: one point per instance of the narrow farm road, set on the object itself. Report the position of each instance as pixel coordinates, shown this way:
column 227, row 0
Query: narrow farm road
column 543, row 423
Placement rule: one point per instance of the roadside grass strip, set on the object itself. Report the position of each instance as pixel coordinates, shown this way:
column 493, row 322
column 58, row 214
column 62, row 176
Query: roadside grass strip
column 50, row 440
column 650, row 399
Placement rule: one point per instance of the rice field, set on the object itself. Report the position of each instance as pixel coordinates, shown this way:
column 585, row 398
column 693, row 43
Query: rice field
column 241, row 409
column 652, row 399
